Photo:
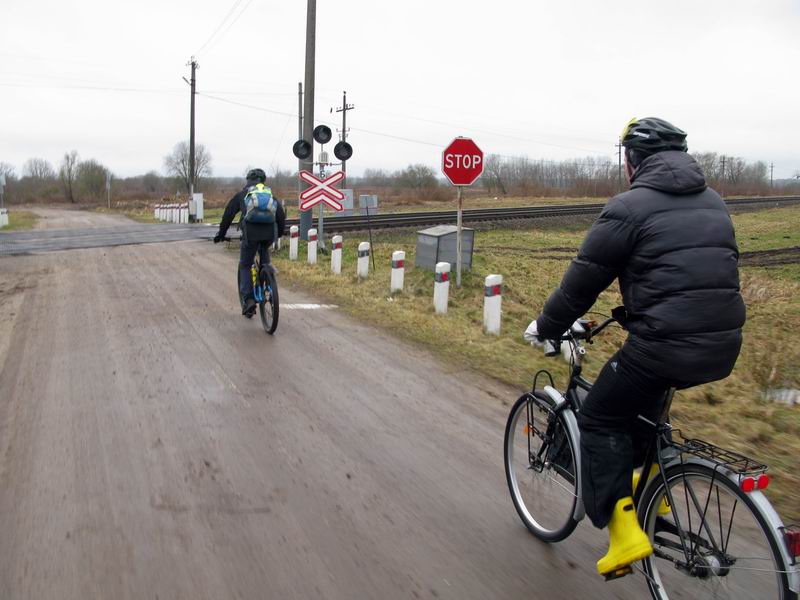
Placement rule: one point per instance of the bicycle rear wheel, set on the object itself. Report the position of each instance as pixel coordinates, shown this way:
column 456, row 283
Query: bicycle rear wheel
column 268, row 308
column 713, row 543
column 541, row 467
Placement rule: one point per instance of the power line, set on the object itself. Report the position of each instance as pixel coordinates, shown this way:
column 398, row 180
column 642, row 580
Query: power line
column 231, row 24
column 221, row 23
column 486, row 131
column 390, row 135
column 91, row 87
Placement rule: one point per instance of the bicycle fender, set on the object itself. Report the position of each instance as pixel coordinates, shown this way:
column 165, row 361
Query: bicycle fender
column 561, row 405
column 767, row 511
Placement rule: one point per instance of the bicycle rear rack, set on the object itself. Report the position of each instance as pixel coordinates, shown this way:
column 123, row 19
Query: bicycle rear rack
column 727, row 459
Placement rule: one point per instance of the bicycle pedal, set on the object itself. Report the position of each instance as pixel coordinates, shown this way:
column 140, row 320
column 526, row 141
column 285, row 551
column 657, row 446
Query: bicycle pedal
column 617, row 573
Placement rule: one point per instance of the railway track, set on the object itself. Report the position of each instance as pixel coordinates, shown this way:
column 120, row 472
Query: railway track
column 478, row 215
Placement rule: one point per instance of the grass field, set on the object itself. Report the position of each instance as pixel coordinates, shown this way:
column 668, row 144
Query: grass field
column 19, row 220
column 731, row 413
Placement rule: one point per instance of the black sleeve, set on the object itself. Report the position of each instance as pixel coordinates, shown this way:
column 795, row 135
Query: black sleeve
column 601, row 258
column 280, row 218
column 234, row 206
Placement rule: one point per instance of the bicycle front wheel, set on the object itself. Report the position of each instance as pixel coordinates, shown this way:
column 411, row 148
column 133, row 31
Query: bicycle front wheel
column 541, row 468
column 268, row 307
column 710, row 541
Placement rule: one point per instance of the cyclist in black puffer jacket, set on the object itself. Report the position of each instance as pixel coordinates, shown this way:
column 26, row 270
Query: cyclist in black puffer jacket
column 670, row 242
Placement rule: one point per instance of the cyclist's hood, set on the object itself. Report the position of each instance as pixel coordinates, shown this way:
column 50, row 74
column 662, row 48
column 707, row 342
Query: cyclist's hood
column 673, row 172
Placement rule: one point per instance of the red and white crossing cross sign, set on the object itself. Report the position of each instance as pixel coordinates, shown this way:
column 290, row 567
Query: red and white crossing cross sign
column 462, row 161
column 321, row 191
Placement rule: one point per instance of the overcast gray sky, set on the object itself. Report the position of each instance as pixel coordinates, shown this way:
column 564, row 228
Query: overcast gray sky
column 541, row 79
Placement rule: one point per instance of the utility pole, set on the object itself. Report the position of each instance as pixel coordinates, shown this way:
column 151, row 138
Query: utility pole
column 722, row 178
column 619, row 165
column 192, row 63
column 771, row 167
column 308, row 108
column 299, row 136
column 345, row 107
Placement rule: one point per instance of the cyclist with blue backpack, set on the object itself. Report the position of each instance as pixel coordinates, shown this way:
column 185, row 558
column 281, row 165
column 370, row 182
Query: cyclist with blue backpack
column 262, row 223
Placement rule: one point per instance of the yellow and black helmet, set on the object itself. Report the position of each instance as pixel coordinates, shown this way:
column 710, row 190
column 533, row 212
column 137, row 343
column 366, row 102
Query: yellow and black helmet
column 651, row 135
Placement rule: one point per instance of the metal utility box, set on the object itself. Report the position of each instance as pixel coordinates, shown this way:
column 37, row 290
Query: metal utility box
column 438, row 244
column 347, row 203
column 368, row 200
column 196, row 208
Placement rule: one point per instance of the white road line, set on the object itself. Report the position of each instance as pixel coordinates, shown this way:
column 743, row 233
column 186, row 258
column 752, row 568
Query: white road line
column 306, row 306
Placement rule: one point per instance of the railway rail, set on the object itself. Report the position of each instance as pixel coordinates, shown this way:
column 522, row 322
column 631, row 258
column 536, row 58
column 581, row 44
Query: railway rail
column 478, row 215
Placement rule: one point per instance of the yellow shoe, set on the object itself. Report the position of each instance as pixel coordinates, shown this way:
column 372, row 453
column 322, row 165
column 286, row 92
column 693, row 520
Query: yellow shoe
column 663, row 508
column 627, row 542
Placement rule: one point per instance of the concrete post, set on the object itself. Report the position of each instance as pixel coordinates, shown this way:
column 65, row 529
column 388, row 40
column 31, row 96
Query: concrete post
column 492, row 300
column 336, row 254
column 294, row 236
column 441, row 287
column 398, row 270
column 362, row 269
column 312, row 246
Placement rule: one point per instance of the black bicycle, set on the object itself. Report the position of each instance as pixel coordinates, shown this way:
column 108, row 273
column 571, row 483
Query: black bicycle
column 265, row 291
column 713, row 531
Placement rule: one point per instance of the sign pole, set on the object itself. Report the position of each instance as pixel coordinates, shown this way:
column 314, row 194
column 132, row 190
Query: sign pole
column 458, row 239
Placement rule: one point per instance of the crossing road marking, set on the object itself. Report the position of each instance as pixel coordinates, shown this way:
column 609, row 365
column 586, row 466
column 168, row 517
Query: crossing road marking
column 307, row 306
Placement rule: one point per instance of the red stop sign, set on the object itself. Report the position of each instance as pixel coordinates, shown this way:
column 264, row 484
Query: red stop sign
column 462, row 161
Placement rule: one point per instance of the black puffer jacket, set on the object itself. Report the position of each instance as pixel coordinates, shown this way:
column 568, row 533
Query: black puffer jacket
column 671, row 243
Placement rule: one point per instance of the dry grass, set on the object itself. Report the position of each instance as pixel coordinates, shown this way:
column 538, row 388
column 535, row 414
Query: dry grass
column 731, row 413
column 19, row 220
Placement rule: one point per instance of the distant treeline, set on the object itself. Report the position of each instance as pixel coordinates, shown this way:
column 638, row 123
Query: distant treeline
column 84, row 181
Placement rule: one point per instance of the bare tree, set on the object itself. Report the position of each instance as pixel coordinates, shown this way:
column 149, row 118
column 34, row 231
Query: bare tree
column 177, row 163
column 493, row 174
column 90, row 177
column 67, row 172
column 416, row 177
column 38, row 169
column 151, row 182
column 7, row 169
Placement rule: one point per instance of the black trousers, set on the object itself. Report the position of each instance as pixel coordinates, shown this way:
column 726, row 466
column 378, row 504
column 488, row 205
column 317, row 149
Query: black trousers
column 247, row 253
column 613, row 440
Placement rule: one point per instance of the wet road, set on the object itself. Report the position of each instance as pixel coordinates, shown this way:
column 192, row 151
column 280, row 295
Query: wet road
column 154, row 444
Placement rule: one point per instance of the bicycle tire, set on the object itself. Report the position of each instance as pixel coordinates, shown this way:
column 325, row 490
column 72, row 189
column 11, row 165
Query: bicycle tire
column 548, row 484
column 269, row 308
column 735, row 568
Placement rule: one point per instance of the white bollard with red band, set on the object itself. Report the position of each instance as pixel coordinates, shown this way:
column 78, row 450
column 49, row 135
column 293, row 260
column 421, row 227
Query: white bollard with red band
column 492, row 299
column 398, row 270
column 362, row 268
column 294, row 237
column 336, row 254
column 155, row 212
column 312, row 246
column 441, row 287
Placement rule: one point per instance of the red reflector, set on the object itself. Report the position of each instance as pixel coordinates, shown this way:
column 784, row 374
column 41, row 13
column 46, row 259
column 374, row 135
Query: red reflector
column 793, row 542
column 763, row 481
column 748, row 484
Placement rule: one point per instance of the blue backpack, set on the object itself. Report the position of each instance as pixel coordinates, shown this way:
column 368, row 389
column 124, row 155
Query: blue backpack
column 259, row 205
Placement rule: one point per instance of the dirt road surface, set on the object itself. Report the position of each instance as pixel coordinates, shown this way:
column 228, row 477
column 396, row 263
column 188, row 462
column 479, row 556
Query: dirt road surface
column 155, row 444
column 65, row 218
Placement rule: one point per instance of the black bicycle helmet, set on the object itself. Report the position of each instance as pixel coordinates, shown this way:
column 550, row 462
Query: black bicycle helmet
column 651, row 135
column 256, row 175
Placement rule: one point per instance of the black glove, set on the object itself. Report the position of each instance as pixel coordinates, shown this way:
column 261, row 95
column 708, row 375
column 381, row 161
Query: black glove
column 219, row 237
